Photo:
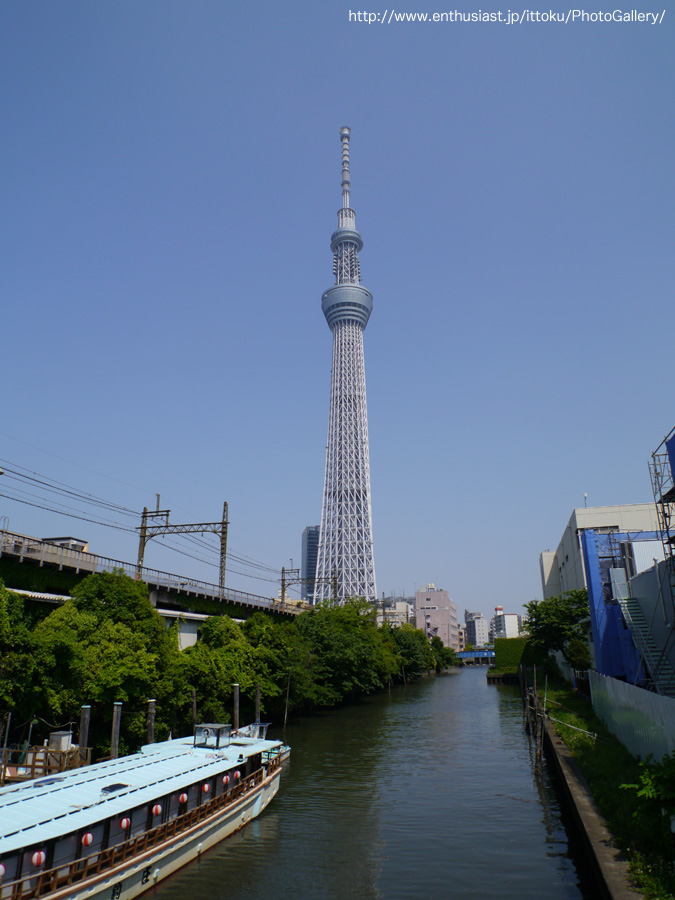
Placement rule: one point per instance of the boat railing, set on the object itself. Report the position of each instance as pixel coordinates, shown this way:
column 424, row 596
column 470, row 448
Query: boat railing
column 38, row 884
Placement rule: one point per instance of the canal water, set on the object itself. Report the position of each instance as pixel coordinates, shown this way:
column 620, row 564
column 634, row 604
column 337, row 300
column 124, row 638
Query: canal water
column 427, row 793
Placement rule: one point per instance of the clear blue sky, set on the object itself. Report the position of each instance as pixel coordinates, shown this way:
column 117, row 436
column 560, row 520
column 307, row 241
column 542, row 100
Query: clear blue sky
column 171, row 176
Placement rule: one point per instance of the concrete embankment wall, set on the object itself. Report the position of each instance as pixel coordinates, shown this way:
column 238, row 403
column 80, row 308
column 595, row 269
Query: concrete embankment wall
column 611, row 871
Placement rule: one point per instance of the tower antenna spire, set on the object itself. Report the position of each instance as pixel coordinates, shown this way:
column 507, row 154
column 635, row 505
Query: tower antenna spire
column 345, row 134
column 345, row 552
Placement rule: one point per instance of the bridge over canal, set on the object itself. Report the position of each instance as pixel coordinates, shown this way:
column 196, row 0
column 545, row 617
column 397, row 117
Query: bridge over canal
column 480, row 657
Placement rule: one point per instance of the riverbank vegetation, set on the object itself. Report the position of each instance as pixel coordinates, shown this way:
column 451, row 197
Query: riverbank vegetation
column 108, row 644
column 555, row 624
column 636, row 799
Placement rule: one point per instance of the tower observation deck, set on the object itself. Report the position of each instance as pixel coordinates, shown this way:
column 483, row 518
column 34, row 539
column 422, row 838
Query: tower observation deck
column 346, row 535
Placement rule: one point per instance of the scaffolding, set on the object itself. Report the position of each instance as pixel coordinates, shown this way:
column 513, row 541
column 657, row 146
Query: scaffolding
column 663, row 487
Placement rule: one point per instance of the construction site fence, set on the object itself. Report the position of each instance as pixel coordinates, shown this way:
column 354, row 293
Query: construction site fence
column 643, row 721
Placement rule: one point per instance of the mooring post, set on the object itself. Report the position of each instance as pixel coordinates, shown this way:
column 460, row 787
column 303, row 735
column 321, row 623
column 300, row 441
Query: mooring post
column 83, row 736
column 257, row 702
column 543, row 713
column 3, row 769
column 194, row 710
column 288, row 691
column 236, row 707
column 151, row 722
column 115, row 734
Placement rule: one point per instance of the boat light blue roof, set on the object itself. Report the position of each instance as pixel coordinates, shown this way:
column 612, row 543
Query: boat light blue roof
column 38, row 811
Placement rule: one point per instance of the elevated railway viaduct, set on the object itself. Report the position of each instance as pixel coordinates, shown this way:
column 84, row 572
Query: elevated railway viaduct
column 19, row 554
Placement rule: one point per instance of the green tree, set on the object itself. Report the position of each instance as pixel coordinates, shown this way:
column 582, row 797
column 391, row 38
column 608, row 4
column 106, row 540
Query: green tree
column 107, row 644
column 414, row 653
column 347, row 656
column 17, row 660
column 554, row 622
column 221, row 658
column 282, row 661
column 578, row 653
column 443, row 656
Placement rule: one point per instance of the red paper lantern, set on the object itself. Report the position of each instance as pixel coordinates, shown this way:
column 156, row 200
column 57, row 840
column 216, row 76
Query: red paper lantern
column 2, row 870
column 87, row 839
column 125, row 823
column 39, row 858
column 237, row 775
column 206, row 787
column 183, row 798
column 226, row 780
column 157, row 809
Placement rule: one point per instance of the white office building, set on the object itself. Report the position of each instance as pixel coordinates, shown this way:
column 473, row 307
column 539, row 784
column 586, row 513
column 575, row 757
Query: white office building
column 504, row 625
column 563, row 570
column 477, row 628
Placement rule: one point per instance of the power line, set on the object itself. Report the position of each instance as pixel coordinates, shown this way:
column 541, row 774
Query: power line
column 62, row 506
column 216, row 565
column 25, row 476
column 72, row 463
column 60, row 487
column 70, row 515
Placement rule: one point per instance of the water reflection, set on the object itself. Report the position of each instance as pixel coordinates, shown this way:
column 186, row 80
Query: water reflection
column 429, row 792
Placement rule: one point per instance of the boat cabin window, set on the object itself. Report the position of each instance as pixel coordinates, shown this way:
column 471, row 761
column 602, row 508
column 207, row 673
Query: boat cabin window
column 10, row 865
column 91, row 839
column 119, row 826
column 212, row 737
column 139, row 820
column 193, row 796
column 34, row 861
column 65, row 850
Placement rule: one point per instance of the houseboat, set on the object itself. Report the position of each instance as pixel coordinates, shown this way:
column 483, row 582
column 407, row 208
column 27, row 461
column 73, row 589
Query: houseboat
column 112, row 830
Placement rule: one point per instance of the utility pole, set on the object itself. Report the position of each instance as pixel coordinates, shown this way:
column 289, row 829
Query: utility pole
column 292, row 576
column 288, row 577
column 147, row 532
column 223, row 549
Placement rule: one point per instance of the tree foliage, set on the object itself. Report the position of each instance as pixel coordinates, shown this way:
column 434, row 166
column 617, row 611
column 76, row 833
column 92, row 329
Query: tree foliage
column 555, row 622
column 108, row 644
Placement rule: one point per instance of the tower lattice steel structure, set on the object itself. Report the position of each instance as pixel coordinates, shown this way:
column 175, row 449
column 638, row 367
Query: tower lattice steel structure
column 345, row 557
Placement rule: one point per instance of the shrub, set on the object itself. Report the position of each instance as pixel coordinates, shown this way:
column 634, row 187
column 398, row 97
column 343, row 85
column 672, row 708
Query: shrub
column 509, row 652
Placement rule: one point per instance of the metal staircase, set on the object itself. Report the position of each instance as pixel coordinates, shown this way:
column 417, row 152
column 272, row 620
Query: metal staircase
column 661, row 675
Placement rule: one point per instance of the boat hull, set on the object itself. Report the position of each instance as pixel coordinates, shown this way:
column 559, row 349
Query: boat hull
column 139, row 873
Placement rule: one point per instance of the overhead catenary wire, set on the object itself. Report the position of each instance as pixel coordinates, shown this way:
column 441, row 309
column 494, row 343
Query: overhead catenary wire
column 60, row 512
column 60, row 486
column 14, row 472
column 62, row 507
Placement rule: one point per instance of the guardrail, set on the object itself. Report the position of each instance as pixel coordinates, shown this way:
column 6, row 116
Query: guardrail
column 25, row 547
column 36, row 762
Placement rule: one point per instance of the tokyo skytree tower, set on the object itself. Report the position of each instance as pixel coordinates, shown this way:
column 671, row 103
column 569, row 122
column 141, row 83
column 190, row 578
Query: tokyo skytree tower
column 346, row 538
